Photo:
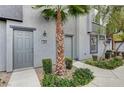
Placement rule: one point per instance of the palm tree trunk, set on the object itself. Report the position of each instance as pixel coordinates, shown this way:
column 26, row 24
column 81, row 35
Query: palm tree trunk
column 59, row 45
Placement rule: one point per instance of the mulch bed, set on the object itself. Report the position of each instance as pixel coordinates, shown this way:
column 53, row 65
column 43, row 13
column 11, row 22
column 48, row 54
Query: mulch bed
column 4, row 78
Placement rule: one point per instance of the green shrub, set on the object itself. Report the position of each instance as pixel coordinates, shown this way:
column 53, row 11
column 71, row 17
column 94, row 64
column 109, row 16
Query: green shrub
column 82, row 76
column 101, row 64
column 107, row 64
column 63, row 82
column 108, row 54
column 47, row 65
column 49, row 80
column 115, row 62
column 68, row 63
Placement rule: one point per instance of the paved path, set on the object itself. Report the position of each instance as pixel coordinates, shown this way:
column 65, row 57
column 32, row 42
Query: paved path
column 104, row 78
column 24, row 78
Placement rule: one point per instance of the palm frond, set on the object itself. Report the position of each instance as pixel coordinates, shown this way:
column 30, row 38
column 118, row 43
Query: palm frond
column 76, row 10
column 64, row 15
column 48, row 13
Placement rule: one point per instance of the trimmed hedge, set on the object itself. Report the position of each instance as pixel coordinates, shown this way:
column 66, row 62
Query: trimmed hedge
column 80, row 77
column 68, row 63
column 47, row 65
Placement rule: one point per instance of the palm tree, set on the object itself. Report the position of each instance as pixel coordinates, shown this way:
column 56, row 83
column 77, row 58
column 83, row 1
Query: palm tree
column 60, row 13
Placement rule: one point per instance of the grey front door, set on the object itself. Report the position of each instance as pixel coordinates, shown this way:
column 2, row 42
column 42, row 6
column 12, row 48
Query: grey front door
column 68, row 46
column 23, row 49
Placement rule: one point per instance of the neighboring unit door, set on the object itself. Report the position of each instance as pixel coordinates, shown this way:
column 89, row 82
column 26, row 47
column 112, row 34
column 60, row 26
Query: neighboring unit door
column 2, row 45
column 23, row 49
column 68, row 46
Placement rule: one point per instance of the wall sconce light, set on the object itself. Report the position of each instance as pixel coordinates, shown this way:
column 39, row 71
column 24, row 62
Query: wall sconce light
column 44, row 33
column 44, row 40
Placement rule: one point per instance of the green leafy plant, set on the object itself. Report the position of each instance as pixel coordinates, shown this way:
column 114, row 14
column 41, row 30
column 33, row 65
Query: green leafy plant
column 82, row 76
column 47, row 65
column 115, row 62
column 63, row 82
column 68, row 63
column 108, row 54
column 49, row 80
column 107, row 64
column 101, row 64
column 79, row 77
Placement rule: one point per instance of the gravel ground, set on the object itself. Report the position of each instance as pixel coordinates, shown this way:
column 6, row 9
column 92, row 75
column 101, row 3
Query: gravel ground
column 39, row 73
column 68, row 73
column 4, row 78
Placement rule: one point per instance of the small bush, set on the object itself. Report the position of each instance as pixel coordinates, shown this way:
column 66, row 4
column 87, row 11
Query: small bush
column 63, row 82
column 82, row 76
column 49, row 80
column 108, row 54
column 47, row 65
column 68, row 63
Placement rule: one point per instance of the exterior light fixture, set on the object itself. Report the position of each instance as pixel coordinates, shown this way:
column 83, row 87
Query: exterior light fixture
column 44, row 39
column 44, row 33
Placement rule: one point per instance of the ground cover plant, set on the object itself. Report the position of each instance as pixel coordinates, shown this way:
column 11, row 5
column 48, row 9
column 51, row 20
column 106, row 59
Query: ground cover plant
column 80, row 77
column 72, row 76
column 107, row 64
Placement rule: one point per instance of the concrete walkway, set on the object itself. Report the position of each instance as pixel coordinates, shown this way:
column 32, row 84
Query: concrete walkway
column 104, row 78
column 24, row 78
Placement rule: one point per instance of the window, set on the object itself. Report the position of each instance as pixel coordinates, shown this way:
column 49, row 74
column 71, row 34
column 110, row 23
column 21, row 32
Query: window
column 93, row 44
